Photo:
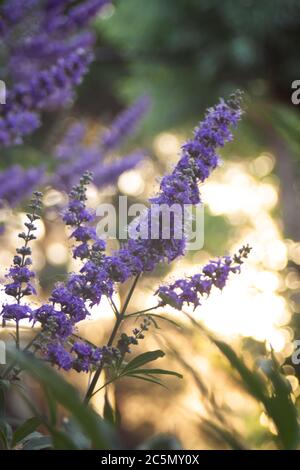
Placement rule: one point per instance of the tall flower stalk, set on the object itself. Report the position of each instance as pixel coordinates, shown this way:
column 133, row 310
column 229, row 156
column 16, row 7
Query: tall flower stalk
column 20, row 275
column 100, row 274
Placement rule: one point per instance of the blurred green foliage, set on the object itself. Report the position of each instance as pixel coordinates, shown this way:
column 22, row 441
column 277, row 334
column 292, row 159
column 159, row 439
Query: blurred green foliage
column 186, row 53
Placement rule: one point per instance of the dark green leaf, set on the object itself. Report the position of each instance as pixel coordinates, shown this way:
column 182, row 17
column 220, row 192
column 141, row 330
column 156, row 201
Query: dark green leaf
column 251, row 380
column 100, row 433
column 156, row 372
column 108, row 411
column 143, row 359
column 52, row 407
column 25, row 429
column 281, row 408
column 169, row 300
column 148, row 379
column 38, row 443
column 62, row 440
column 5, row 434
column 78, row 438
column 161, row 442
column 161, row 317
column 4, row 387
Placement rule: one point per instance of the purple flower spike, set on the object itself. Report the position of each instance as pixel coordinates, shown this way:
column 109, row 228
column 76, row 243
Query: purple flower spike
column 215, row 274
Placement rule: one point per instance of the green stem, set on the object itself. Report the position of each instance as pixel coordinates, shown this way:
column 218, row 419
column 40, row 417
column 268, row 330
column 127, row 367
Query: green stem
column 114, row 307
column 28, row 346
column 117, row 324
column 17, row 335
column 141, row 312
column 103, row 386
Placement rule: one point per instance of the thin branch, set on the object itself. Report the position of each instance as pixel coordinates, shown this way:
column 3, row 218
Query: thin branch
column 118, row 322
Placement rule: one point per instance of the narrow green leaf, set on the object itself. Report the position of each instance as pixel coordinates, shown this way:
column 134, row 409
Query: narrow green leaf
column 108, row 411
column 5, row 433
column 4, row 387
column 63, row 441
column 79, row 439
column 156, row 372
column 25, row 429
column 100, row 433
column 169, row 300
column 161, row 442
column 162, row 317
column 52, row 407
column 38, row 443
column 280, row 407
column 143, row 359
column 148, row 379
column 3, row 440
column 251, row 380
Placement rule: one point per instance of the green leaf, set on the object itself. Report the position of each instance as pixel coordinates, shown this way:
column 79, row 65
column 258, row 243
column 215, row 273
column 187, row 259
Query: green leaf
column 161, row 317
column 52, row 407
column 102, row 436
column 161, row 442
column 79, row 439
column 222, row 434
column 156, row 372
column 38, row 443
column 108, row 411
column 4, row 387
column 5, row 434
column 148, row 379
column 3, row 440
column 25, row 429
column 280, row 407
column 252, row 380
column 62, row 440
column 143, row 359
column 169, row 300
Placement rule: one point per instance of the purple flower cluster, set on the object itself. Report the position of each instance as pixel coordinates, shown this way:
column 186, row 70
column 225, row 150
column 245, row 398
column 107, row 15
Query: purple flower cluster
column 68, row 302
column 75, row 156
column 78, row 16
column 12, row 13
column 198, row 159
column 58, row 355
column 20, row 275
column 190, row 290
column 82, row 357
column 46, row 63
column 53, row 321
column 86, row 356
column 93, row 281
column 45, row 90
column 125, row 124
column 199, row 155
column 17, row 183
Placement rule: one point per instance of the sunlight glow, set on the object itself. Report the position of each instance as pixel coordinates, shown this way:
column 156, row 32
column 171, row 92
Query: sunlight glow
column 131, row 183
column 252, row 303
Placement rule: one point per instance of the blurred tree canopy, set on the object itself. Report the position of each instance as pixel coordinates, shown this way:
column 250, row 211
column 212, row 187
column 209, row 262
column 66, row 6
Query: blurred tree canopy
column 186, row 53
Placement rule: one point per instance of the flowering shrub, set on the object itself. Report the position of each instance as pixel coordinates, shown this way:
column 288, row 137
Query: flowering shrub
column 46, row 66
column 47, row 47
column 57, row 341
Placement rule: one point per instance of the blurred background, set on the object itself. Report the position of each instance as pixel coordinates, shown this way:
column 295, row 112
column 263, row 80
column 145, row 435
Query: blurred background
column 184, row 55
